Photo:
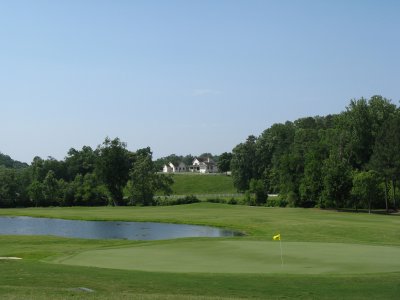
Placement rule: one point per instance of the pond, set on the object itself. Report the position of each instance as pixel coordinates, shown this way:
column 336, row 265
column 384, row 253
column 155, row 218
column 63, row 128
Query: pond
column 106, row 229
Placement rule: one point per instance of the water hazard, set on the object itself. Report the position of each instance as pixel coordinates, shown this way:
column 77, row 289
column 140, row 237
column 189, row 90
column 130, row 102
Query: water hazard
column 106, row 229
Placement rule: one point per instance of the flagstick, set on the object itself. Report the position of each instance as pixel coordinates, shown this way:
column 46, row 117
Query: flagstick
column 280, row 244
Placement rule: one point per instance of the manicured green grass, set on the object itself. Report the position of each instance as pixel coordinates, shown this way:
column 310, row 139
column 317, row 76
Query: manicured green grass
column 243, row 257
column 193, row 184
column 34, row 280
column 171, row 273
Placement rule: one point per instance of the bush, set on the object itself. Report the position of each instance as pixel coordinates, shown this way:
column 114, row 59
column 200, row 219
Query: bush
column 232, row 201
column 292, row 199
column 258, row 188
column 216, row 200
column 278, row 201
column 178, row 201
column 248, row 199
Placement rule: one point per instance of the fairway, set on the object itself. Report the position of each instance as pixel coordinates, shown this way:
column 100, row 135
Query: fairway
column 235, row 256
column 327, row 255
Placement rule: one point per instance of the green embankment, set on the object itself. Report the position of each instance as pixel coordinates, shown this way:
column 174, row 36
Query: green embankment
column 327, row 255
column 194, row 184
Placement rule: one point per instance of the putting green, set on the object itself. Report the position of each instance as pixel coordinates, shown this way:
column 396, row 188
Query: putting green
column 241, row 256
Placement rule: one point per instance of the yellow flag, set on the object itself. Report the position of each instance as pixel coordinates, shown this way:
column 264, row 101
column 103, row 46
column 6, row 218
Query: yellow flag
column 277, row 237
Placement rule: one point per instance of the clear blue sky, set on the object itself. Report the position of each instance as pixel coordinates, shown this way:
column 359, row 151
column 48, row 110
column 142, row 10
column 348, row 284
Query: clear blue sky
column 184, row 76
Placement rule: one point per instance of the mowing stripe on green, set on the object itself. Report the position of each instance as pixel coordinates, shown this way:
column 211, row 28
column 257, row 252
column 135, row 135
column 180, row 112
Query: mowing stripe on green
column 233, row 256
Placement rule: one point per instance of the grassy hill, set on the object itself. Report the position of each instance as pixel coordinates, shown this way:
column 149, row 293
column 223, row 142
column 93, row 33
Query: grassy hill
column 194, row 184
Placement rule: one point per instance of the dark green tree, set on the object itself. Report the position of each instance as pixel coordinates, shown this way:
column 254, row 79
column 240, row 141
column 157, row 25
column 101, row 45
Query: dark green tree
column 244, row 163
column 144, row 181
column 92, row 191
column 366, row 188
column 381, row 110
column 8, row 187
column 224, row 162
column 386, row 156
column 113, row 167
column 337, row 181
column 260, row 191
column 315, row 151
column 80, row 161
column 36, row 193
column 188, row 159
column 357, row 123
column 271, row 147
column 38, row 171
column 51, row 192
column 311, row 184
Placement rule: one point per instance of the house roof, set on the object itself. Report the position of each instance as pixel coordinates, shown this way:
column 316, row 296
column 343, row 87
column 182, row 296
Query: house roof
column 205, row 160
column 176, row 165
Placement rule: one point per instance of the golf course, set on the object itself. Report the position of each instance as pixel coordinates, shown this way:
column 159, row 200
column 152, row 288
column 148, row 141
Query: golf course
column 322, row 254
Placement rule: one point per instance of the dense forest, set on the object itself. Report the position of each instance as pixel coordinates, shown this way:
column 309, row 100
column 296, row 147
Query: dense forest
column 346, row 160
column 107, row 175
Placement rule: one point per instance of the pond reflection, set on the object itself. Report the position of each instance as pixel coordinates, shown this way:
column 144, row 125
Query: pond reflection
column 106, row 229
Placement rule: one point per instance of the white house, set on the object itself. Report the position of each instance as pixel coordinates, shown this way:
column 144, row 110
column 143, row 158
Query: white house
column 206, row 165
column 167, row 169
column 199, row 165
column 174, row 168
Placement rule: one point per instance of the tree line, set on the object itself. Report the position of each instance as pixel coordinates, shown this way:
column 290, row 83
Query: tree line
column 109, row 174
column 346, row 160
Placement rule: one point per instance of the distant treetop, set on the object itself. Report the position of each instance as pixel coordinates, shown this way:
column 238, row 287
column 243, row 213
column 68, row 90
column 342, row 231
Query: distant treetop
column 8, row 162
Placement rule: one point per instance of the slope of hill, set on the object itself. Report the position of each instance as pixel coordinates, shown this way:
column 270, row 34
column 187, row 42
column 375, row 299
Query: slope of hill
column 192, row 184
